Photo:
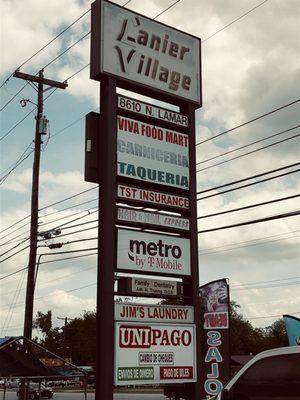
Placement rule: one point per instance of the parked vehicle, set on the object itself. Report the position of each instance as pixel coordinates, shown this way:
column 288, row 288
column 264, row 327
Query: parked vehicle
column 272, row 374
column 46, row 391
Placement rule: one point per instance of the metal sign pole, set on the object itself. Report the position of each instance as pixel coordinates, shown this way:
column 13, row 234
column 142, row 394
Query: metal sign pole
column 193, row 288
column 106, row 240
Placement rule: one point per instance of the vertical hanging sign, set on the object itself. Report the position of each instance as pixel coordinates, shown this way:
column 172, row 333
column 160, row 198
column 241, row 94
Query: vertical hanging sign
column 216, row 354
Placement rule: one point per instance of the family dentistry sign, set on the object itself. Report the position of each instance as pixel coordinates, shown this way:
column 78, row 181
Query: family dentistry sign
column 137, row 49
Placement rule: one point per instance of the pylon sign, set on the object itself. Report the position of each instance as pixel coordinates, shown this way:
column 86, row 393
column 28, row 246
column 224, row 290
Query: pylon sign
column 143, row 156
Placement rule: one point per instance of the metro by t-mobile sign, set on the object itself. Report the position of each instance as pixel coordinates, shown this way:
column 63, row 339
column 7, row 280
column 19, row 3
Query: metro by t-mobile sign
column 143, row 252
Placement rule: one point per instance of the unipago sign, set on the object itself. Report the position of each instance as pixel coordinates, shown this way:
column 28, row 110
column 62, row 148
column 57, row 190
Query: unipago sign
column 141, row 51
column 152, row 154
column 154, row 353
column 144, row 252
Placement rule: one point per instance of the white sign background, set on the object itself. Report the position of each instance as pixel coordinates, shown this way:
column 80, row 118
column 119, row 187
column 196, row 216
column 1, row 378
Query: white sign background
column 127, row 259
column 154, row 313
column 150, row 218
column 150, row 110
column 154, row 286
column 119, row 41
column 152, row 197
column 161, row 146
column 128, row 360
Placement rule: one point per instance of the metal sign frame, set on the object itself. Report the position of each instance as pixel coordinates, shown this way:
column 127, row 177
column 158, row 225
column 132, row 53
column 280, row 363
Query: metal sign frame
column 96, row 70
column 106, row 176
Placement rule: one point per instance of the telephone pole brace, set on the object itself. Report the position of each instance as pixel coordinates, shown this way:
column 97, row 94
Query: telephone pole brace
column 38, row 81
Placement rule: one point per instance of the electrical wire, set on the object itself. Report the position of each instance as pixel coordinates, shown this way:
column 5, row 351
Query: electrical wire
column 14, row 96
column 254, row 221
column 17, row 124
column 263, row 282
column 68, row 198
column 249, row 184
column 249, row 206
column 66, row 216
column 46, row 45
column 250, row 241
column 248, row 245
column 273, row 316
column 235, row 20
column 249, row 122
column 17, row 252
column 168, row 8
column 68, row 208
column 247, row 145
column 249, row 177
column 248, row 153
column 3, row 178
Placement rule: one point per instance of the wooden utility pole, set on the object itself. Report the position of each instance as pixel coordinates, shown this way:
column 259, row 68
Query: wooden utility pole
column 66, row 319
column 38, row 81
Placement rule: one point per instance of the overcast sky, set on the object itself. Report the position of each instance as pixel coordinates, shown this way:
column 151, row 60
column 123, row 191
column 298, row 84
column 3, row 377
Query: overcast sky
column 249, row 68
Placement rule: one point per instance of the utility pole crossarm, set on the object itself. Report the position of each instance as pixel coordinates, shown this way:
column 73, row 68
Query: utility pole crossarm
column 39, row 79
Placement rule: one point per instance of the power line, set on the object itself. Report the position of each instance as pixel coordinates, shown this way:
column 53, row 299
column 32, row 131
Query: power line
column 168, row 8
column 254, row 221
column 13, row 273
column 249, row 177
column 17, row 252
column 273, row 316
column 68, row 198
column 14, row 96
column 249, row 184
column 14, row 224
column 262, row 282
column 20, row 157
column 248, row 122
column 249, row 206
column 69, row 208
column 247, row 145
column 17, row 124
column 18, row 163
column 249, row 152
column 248, row 245
column 259, row 240
column 235, row 20
column 66, row 216
column 47, row 44
column 66, row 50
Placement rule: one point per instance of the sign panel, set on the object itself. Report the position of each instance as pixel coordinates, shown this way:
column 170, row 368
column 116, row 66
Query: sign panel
column 151, row 218
column 152, row 154
column 152, row 197
column 216, row 361
column 153, row 313
column 147, row 286
column 292, row 326
column 150, row 110
column 154, row 353
column 141, row 51
column 150, row 252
